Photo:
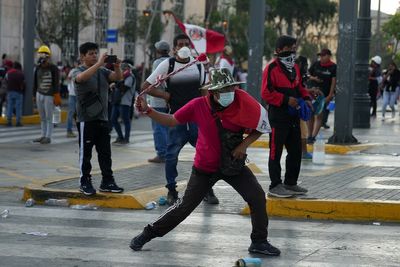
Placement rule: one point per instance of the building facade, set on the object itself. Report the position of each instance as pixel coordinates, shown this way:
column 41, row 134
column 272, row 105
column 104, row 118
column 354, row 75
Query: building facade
column 107, row 19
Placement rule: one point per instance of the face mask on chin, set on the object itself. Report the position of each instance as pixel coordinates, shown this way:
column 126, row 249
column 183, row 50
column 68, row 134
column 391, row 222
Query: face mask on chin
column 184, row 52
column 225, row 99
column 287, row 58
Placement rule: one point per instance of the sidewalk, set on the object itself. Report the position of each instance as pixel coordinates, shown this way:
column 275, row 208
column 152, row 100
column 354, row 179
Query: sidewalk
column 358, row 185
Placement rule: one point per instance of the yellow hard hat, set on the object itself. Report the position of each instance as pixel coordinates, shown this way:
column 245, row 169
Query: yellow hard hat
column 44, row 49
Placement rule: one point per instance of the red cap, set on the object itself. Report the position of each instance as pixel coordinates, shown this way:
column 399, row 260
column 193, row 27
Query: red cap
column 8, row 64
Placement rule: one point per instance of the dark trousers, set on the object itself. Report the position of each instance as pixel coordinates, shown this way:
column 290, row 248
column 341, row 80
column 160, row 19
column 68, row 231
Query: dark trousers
column 122, row 111
column 95, row 133
column 373, row 95
column 199, row 184
column 287, row 135
column 325, row 114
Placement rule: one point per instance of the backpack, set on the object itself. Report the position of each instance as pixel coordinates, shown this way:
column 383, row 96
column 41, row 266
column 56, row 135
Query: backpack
column 171, row 66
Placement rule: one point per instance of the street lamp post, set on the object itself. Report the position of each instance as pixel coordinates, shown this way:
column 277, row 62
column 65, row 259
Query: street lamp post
column 256, row 47
column 343, row 128
column 361, row 98
column 29, row 36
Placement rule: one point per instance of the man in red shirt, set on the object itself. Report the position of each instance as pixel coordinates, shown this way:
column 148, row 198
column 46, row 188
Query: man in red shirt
column 225, row 109
column 15, row 92
column 282, row 90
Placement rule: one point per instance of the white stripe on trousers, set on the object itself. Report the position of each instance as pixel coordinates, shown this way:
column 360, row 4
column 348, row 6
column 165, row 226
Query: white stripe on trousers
column 81, row 148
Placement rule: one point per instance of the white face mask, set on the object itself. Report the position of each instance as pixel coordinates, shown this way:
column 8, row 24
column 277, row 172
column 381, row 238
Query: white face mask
column 184, row 52
column 225, row 99
column 287, row 58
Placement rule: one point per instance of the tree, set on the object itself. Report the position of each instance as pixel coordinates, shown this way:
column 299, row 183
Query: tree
column 56, row 16
column 298, row 15
column 391, row 30
column 147, row 27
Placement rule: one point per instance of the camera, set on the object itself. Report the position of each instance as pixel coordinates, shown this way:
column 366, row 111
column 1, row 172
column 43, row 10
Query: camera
column 41, row 60
column 110, row 59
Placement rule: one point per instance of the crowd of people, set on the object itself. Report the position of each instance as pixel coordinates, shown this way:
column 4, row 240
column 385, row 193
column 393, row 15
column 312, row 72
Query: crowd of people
column 201, row 104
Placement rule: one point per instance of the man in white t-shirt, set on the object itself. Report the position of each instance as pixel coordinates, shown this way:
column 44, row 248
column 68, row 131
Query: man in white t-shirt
column 180, row 89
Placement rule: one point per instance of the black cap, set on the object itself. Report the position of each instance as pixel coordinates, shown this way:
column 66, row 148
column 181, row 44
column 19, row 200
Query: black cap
column 325, row 52
column 285, row 40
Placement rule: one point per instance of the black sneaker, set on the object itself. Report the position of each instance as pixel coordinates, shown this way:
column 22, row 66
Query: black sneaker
column 172, row 197
column 110, row 187
column 264, row 248
column 118, row 141
column 325, row 126
column 139, row 240
column 210, row 198
column 310, row 140
column 87, row 187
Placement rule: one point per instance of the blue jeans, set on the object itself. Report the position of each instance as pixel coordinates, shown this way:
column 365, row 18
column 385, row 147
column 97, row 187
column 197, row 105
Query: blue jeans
column 14, row 100
column 160, row 135
column 124, row 111
column 178, row 136
column 71, row 111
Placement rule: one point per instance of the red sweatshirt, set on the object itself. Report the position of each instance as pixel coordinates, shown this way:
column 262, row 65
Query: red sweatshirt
column 277, row 87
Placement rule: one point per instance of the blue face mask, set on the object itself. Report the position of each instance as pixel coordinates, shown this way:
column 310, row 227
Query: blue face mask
column 225, row 99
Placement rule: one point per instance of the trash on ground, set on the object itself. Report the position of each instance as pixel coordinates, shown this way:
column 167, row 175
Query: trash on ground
column 248, row 262
column 57, row 202
column 84, row 207
column 30, row 202
column 151, row 205
column 36, row 233
column 341, row 248
column 376, row 223
column 4, row 214
column 162, row 201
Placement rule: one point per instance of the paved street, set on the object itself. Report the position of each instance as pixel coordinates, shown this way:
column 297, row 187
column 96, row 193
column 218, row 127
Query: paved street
column 212, row 235
column 101, row 238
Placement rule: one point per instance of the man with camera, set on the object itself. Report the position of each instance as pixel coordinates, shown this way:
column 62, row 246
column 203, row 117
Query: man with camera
column 47, row 92
column 91, row 85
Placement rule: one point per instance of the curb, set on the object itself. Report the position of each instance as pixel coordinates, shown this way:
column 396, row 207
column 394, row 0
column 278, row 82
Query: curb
column 32, row 119
column 332, row 209
column 135, row 199
column 330, row 149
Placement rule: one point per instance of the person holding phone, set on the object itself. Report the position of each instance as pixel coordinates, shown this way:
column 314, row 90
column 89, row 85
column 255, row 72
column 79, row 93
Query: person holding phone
column 92, row 79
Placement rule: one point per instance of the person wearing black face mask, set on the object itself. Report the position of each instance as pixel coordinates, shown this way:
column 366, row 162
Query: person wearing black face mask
column 282, row 88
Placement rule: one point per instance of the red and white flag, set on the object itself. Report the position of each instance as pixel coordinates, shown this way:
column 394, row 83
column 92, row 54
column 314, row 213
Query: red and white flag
column 203, row 40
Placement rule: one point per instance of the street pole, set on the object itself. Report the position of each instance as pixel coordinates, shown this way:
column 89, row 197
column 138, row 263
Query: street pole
column 29, row 36
column 256, row 47
column 361, row 97
column 76, row 34
column 343, row 126
column 378, row 30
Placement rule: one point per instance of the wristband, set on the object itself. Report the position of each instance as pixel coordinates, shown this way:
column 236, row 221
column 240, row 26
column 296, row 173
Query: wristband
column 148, row 110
